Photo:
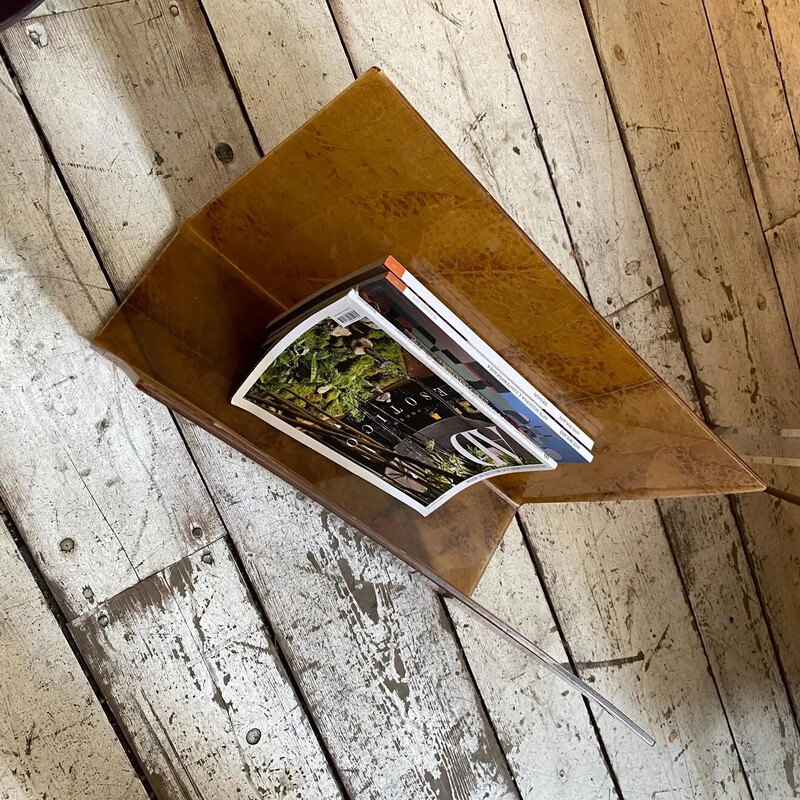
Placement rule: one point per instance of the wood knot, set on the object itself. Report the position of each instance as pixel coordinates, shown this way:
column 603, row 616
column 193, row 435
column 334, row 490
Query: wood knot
column 632, row 267
column 37, row 34
column 224, row 152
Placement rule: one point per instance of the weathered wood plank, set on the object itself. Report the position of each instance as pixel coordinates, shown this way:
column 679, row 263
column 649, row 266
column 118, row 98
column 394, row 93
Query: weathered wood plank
column 58, row 6
column 783, row 17
column 755, row 89
column 543, row 726
column 581, row 144
column 451, row 62
column 772, row 529
column 712, row 561
column 191, row 673
column 746, row 50
column 55, row 740
column 430, row 717
column 556, row 48
column 784, row 247
column 367, row 642
column 675, row 117
column 628, row 626
column 97, row 462
column 677, row 125
column 287, row 61
column 110, row 91
column 753, row 727
column 96, row 476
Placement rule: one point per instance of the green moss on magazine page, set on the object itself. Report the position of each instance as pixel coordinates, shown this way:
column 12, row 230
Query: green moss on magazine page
column 334, row 368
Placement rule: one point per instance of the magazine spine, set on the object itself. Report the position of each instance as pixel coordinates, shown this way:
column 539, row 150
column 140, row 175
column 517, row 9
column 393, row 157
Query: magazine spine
column 451, row 378
column 502, row 369
column 485, row 362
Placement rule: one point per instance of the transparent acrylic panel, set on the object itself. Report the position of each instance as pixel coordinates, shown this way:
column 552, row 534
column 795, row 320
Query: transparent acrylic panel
column 365, row 178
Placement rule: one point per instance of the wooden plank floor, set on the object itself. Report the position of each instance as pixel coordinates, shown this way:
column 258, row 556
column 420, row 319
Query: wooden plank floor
column 220, row 635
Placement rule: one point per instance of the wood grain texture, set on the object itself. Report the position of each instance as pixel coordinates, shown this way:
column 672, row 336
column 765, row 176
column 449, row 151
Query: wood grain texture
column 367, row 642
column 669, row 96
column 552, row 47
column 55, row 739
column 630, row 631
column 744, row 46
column 674, row 115
column 703, row 533
column 287, row 62
column 110, row 91
column 711, row 558
column 772, row 529
column 783, row 17
column 249, row 680
column 542, row 725
column 452, row 63
column 167, row 98
column 784, row 247
column 581, row 144
column 83, row 456
column 59, row 6
column 758, row 94
column 191, row 673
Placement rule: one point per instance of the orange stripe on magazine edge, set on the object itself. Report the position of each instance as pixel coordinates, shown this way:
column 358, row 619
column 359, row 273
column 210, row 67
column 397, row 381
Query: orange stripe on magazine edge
column 396, row 282
column 395, row 266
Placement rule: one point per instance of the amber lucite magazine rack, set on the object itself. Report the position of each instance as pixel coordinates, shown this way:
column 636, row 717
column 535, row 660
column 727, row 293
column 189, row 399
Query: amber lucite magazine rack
column 366, row 177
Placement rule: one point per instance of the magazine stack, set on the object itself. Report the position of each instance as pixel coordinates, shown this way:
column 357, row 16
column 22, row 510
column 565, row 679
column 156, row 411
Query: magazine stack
column 377, row 374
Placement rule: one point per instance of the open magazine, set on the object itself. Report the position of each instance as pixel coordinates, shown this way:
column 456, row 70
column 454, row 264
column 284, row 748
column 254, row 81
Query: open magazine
column 370, row 374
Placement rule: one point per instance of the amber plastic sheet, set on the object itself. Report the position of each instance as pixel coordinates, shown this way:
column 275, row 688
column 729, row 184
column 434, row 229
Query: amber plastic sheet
column 365, row 178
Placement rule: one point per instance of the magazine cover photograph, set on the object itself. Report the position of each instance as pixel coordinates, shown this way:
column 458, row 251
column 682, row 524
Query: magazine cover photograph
column 344, row 387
